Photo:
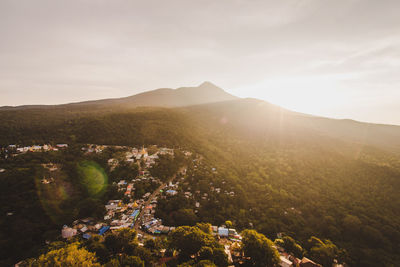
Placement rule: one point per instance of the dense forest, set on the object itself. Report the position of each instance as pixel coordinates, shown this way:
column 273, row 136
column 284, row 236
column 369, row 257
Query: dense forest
column 286, row 176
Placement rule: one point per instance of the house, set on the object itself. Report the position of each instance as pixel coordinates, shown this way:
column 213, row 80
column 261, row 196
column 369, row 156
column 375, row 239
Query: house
column 232, row 232
column 223, row 232
column 171, row 192
column 111, row 207
column 305, row 262
column 103, row 230
column 68, row 232
column 62, row 145
column 285, row 262
column 86, row 236
column 121, row 183
column 36, row 148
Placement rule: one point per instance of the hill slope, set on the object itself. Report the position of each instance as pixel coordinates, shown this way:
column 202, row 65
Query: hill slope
column 292, row 172
column 164, row 97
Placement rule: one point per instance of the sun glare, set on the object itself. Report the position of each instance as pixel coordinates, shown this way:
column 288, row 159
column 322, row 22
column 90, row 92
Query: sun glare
column 308, row 94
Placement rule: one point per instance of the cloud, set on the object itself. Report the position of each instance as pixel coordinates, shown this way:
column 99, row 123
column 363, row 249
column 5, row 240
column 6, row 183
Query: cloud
column 63, row 51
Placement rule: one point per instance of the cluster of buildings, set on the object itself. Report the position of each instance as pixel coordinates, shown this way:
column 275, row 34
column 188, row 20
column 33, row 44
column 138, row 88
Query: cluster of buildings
column 224, row 232
column 93, row 148
column 236, row 256
column 154, row 226
column 120, row 214
column 86, row 227
column 16, row 149
column 141, row 211
column 135, row 155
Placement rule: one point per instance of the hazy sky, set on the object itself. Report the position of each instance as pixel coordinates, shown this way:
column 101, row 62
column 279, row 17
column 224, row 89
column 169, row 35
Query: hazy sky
column 336, row 58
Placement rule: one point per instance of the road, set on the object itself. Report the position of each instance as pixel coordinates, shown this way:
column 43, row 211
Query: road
column 152, row 196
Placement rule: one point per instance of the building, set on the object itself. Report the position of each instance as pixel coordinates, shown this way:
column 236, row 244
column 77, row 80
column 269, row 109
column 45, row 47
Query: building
column 305, row 262
column 103, row 230
column 68, row 232
column 62, row 145
column 285, row 262
column 143, row 153
column 171, row 192
column 223, row 232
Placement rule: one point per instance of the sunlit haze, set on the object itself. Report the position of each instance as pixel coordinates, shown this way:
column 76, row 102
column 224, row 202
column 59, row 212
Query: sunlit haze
column 339, row 59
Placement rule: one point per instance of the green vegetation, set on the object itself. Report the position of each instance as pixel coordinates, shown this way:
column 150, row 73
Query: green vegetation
column 290, row 246
column 35, row 212
column 260, row 249
column 71, row 255
column 192, row 240
column 287, row 174
column 121, row 248
column 324, row 252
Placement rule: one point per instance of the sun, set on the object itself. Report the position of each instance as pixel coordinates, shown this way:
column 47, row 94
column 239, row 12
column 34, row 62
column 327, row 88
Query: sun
column 307, row 94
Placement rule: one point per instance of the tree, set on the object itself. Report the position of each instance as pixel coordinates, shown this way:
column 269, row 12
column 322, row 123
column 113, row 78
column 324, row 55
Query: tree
column 219, row 257
column 150, row 244
column 290, row 245
column 96, row 244
column 205, row 227
column 189, row 240
column 228, row 224
column 71, row 255
column 206, row 253
column 352, row 225
column 124, row 260
column 202, row 263
column 324, row 252
column 205, row 263
column 184, row 217
column 122, row 241
column 259, row 249
column 90, row 207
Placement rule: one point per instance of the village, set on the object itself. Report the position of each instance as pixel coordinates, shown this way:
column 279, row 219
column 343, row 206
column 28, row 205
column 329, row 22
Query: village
column 139, row 212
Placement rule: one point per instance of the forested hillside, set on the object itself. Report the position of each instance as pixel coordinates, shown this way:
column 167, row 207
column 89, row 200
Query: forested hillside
column 293, row 173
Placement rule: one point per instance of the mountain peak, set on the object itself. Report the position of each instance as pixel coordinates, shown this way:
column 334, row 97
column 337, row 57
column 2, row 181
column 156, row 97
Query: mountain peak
column 208, row 84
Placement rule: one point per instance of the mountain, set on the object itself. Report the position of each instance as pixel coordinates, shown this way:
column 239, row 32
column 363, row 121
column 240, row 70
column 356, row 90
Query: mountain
column 294, row 173
column 260, row 118
column 184, row 96
column 209, row 102
column 206, row 92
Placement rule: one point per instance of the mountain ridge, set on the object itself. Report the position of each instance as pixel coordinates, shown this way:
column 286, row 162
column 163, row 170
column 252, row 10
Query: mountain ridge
column 209, row 102
column 206, row 92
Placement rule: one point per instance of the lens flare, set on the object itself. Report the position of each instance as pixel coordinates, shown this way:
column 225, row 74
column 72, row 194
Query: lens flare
column 58, row 193
column 93, row 178
column 54, row 191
